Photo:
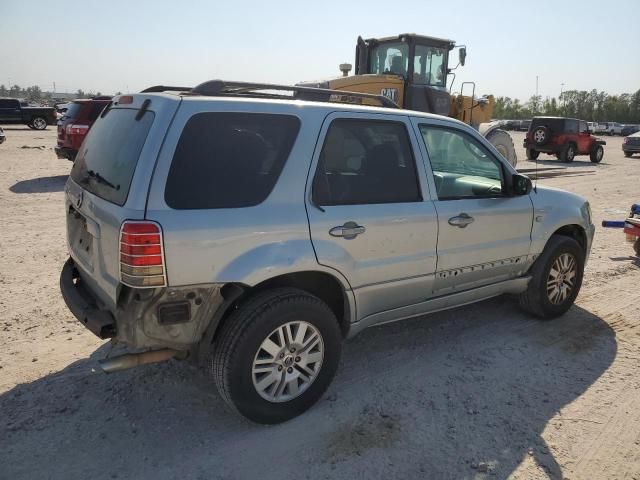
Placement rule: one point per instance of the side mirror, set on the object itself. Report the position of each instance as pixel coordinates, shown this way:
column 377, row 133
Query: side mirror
column 520, row 184
column 462, row 55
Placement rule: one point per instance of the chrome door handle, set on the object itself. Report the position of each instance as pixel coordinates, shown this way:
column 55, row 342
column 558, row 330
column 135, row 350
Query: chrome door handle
column 461, row 220
column 347, row 231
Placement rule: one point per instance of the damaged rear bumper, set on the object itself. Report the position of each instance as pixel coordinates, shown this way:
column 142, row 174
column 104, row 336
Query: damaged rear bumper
column 82, row 303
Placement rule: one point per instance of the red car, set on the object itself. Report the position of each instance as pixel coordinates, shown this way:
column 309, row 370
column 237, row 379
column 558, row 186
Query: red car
column 563, row 137
column 75, row 123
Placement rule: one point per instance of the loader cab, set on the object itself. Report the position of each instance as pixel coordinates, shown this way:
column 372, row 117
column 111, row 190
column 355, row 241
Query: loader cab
column 422, row 62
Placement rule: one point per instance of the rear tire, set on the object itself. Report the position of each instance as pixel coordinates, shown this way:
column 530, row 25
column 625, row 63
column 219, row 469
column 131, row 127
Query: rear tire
column 264, row 363
column 39, row 123
column 556, row 278
column 532, row 154
column 596, row 154
column 568, row 153
column 636, row 247
column 627, row 154
column 504, row 144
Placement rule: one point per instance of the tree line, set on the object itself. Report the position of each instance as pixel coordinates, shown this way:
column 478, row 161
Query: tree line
column 37, row 95
column 592, row 106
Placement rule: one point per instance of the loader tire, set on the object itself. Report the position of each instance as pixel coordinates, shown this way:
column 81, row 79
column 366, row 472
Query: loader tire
column 504, row 144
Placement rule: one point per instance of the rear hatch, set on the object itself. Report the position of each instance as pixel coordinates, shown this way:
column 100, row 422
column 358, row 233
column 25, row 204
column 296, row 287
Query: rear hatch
column 109, row 183
column 555, row 126
column 68, row 118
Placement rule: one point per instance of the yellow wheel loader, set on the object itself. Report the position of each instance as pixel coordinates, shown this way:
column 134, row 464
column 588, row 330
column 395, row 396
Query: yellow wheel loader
column 412, row 70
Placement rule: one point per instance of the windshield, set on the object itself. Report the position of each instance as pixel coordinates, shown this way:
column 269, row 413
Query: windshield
column 108, row 156
column 392, row 57
column 429, row 66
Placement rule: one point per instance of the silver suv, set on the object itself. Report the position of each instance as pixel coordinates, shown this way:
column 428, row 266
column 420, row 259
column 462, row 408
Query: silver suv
column 251, row 232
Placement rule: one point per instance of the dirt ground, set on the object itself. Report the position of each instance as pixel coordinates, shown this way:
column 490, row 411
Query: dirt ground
column 478, row 392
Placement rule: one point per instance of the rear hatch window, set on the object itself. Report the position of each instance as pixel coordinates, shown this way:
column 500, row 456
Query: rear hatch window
column 108, row 156
column 554, row 124
column 73, row 111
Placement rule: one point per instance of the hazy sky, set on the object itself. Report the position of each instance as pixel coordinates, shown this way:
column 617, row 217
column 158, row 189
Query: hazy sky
column 114, row 46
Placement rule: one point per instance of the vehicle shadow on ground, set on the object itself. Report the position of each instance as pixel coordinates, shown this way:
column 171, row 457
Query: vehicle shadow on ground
column 51, row 184
column 633, row 260
column 7, row 128
column 579, row 162
column 461, row 394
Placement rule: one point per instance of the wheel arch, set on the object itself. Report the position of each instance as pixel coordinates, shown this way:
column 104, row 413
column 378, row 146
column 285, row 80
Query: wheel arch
column 323, row 285
column 577, row 232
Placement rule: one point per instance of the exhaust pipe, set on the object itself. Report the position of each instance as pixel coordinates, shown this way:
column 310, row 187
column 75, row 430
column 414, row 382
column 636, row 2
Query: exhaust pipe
column 130, row 360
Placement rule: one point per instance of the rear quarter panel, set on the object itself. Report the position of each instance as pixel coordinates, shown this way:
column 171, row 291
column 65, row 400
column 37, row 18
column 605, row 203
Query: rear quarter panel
column 244, row 245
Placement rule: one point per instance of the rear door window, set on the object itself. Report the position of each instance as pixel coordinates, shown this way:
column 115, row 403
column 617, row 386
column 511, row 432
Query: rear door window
column 229, row 160
column 366, row 162
column 108, row 156
column 571, row 126
column 8, row 103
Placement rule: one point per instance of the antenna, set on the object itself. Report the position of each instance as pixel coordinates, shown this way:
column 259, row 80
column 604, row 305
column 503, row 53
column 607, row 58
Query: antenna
column 535, row 183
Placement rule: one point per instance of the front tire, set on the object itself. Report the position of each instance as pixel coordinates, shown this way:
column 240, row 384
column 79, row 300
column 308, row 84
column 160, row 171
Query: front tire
column 628, row 154
column 276, row 355
column 568, row 153
column 597, row 154
column 532, row 154
column 556, row 278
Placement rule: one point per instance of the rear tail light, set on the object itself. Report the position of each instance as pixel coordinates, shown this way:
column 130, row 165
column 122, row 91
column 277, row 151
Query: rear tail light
column 73, row 129
column 141, row 255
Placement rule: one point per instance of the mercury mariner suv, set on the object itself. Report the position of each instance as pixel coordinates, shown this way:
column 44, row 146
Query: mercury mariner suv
column 253, row 228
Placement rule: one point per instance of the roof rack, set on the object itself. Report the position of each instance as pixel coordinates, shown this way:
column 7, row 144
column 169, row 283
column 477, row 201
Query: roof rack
column 218, row 88
column 164, row 88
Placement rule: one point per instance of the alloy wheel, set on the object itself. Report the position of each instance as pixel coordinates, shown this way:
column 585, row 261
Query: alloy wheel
column 561, row 279
column 288, row 361
column 39, row 124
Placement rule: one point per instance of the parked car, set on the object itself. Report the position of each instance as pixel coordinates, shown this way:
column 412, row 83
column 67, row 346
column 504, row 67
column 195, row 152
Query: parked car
column 2, row 135
column 599, row 127
column 14, row 111
column 563, row 137
column 510, row 124
column 206, row 224
column 629, row 130
column 75, row 123
column 614, row 128
column 524, row 125
column 631, row 144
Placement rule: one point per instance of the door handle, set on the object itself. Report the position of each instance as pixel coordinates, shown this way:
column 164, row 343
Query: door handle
column 461, row 220
column 348, row 231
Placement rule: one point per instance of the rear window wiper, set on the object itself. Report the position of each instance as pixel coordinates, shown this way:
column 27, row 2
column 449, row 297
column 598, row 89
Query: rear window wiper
column 100, row 179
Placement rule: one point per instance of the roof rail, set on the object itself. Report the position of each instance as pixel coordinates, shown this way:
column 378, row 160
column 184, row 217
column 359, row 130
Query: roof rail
column 216, row 88
column 165, row 88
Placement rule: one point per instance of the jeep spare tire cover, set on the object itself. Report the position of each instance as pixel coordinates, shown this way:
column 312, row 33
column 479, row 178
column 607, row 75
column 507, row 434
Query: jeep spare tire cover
column 540, row 135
